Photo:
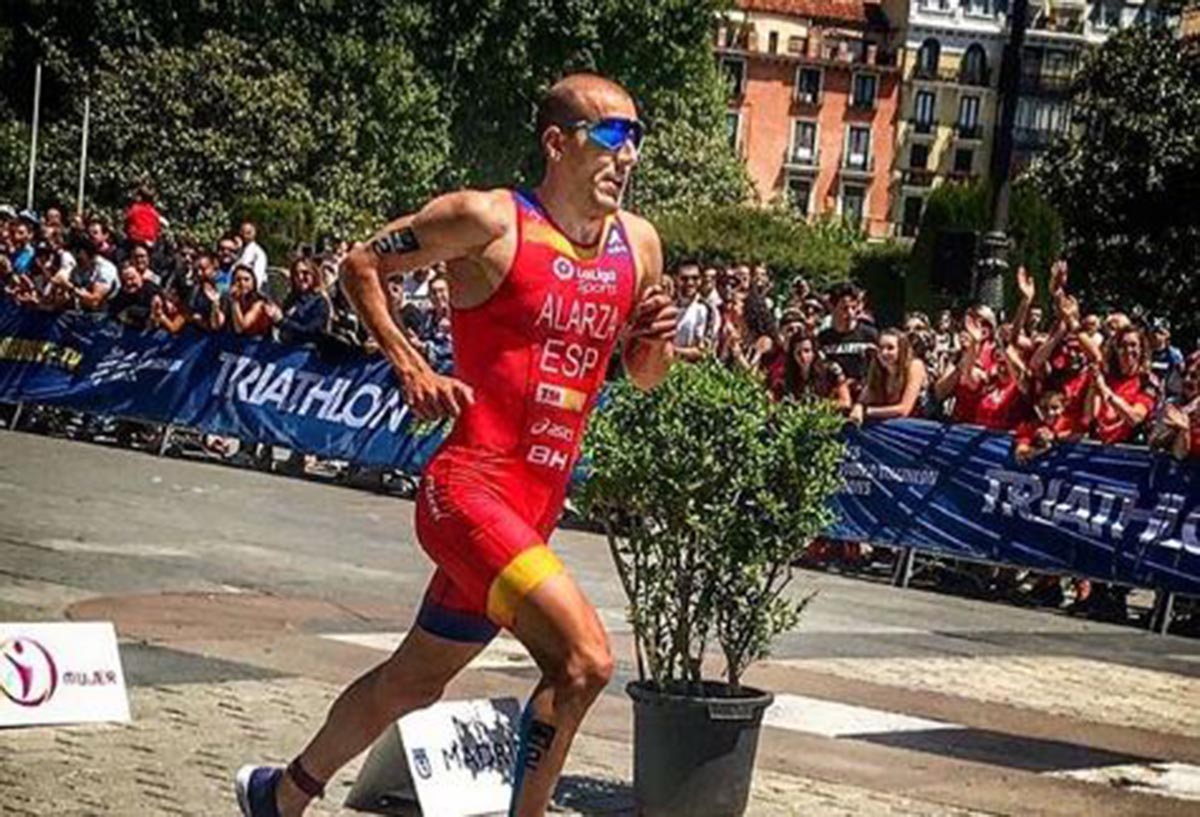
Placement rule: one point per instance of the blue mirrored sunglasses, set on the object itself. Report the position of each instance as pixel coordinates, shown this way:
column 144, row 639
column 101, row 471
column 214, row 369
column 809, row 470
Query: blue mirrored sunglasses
column 612, row 133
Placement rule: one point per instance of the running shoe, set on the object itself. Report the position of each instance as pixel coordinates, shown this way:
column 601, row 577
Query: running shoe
column 255, row 787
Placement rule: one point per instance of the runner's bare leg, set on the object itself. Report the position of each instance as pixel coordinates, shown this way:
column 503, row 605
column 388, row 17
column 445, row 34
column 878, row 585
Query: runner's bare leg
column 562, row 632
column 412, row 678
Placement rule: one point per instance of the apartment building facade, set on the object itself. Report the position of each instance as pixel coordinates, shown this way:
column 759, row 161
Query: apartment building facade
column 950, row 63
column 813, row 90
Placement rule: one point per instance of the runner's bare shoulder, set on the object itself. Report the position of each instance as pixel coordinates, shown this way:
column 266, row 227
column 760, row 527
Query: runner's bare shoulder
column 647, row 248
column 475, row 219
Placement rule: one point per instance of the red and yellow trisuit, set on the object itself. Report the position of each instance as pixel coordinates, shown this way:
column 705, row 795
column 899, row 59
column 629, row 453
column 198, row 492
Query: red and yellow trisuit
column 535, row 353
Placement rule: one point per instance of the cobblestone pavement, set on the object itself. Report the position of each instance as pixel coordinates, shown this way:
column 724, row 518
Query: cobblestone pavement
column 1080, row 688
column 178, row 756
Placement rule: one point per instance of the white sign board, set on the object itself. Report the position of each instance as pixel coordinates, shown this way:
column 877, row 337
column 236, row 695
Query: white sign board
column 454, row 759
column 60, row 673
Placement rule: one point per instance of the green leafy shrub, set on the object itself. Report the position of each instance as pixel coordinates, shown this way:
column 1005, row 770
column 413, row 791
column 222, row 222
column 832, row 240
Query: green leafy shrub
column 708, row 491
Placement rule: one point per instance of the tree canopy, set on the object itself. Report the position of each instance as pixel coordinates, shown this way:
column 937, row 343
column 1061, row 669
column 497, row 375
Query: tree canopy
column 361, row 108
column 1126, row 181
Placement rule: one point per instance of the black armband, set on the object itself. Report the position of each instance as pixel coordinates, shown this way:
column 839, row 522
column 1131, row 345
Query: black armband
column 397, row 241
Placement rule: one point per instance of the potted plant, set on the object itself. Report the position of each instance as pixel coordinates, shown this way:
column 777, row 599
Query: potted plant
column 708, row 491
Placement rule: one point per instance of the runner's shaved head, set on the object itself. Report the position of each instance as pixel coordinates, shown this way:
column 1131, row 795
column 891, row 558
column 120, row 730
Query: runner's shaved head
column 582, row 96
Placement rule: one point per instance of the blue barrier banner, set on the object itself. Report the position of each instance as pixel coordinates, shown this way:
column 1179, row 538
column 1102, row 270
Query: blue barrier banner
column 336, row 406
column 1114, row 513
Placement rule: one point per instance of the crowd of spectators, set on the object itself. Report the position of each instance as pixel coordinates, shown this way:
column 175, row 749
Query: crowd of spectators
column 1044, row 376
column 147, row 278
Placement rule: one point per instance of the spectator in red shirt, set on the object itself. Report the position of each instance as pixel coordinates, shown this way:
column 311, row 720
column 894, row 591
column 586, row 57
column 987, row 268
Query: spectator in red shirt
column 249, row 312
column 1049, row 426
column 964, row 381
column 1178, row 430
column 1121, row 394
column 142, row 220
column 1004, row 403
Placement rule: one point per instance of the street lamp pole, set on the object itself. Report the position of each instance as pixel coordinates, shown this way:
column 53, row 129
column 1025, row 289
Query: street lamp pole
column 992, row 266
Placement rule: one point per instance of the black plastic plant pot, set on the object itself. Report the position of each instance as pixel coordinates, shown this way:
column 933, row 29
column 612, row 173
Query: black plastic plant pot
column 693, row 749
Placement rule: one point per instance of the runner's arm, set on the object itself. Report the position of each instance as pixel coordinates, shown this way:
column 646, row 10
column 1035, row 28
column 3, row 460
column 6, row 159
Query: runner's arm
column 649, row 345
column 448, row 228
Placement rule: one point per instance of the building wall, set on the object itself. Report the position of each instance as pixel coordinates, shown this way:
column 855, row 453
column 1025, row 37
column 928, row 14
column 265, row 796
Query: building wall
column 769, row 111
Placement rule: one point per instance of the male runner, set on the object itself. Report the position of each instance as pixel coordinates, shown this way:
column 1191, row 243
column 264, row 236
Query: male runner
column 543, row 284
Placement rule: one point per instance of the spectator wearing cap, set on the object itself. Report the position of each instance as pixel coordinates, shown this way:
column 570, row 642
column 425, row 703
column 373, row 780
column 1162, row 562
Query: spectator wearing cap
column 143, row 223
column 21, row 232
column 1178, row 428
column 696, row 333
column 1120, row 394
column 1166, row 361
column 847, row 341
column 253, row 255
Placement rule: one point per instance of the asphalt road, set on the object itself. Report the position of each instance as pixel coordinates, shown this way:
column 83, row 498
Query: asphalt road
column 891, row 701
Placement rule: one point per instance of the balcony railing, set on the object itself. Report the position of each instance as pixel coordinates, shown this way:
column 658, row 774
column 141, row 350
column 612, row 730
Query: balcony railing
column 815, row 48
column 919, row 177
column 962, row 176
column 854, row 163
column 1033, row 82
column 801, row 159
column 924, row 72
column 922, row 126
column 1033, row 138
column 862, row 104
column 969, row 131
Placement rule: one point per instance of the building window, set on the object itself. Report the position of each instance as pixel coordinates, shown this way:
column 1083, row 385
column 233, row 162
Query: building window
column 968, row 117
column 733, row 127
column 773, row 42
column 858, row 148
column 734, row 72
column 974, row 66
column 799, row 191
column 964, row 161
column 978, row 7
column 918, row 157
column 854, row 198
column 865, row 86
column 808, row 85
column 924, row 106
column 910, row 220
column 1106, row 15
column 804, row 143
column 927, row 59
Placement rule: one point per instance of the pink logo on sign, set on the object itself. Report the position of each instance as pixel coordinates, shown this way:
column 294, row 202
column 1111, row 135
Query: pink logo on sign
column 28, row 674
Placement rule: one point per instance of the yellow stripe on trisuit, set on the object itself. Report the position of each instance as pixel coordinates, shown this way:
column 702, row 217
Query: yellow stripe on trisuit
column 518, row 579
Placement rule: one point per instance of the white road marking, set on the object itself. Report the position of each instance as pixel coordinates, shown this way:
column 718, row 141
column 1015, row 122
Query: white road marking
column 1179, row 780
column 502, row 653
column 817, row 716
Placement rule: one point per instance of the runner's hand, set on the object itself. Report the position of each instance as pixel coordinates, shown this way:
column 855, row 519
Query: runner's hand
column 432, row 396
column 655, row 316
